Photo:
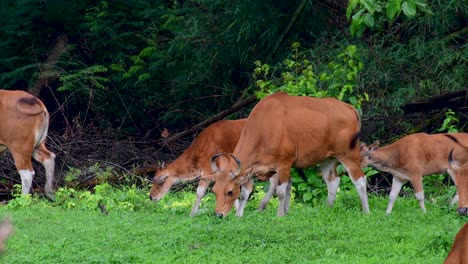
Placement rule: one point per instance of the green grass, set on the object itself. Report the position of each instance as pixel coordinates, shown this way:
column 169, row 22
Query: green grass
column 164, row 233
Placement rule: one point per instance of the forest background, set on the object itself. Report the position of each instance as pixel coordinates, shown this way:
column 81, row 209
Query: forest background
column 130, row 83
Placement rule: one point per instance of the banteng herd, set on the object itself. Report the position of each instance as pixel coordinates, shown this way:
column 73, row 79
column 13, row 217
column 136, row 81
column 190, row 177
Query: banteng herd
column 281, row 132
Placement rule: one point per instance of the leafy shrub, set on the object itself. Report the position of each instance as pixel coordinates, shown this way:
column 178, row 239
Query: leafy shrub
column 297, row 76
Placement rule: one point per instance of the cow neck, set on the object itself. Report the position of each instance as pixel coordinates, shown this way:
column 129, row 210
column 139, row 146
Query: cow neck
column 384, row 158
column 244, row 154
column 184, row 167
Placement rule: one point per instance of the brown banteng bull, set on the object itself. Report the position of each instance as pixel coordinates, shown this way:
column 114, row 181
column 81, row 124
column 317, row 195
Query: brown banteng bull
column 195, row 161
column 458, row 160
column 25, row 122
column 459, row 252
column 410, row 158
column 285, row 131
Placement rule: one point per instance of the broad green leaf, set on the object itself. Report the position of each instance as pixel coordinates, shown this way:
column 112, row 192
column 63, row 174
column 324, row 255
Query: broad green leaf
column 351, row 6
column 357, row 16
column 393, row 8
column 369, row 20
column 302, row 186
column 307, row 196
column 409, row 8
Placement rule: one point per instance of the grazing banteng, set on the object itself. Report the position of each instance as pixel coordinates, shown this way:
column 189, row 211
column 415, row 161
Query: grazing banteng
column 459, row 252
column 285, row 131
column 25, row 121
column 458, row 160
column 410, row 158
column 221, row 136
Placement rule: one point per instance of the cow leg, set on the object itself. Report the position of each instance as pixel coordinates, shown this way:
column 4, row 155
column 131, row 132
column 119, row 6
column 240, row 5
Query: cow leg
column 359, row 180
column 25, row 169
column 330, row 176
column 287, row 201
column 418, row 191
column 271, row 189
column 47, row 159
column 281, row 190
column 201, row 190
column 245, row 193
column 396, row 188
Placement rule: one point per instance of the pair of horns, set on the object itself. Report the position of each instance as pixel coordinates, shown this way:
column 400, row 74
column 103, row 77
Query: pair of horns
column 215, row 168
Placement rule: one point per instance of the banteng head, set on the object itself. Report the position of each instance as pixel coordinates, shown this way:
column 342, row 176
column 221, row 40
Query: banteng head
column 158, row 187
column 227, row 182
column 368, row 156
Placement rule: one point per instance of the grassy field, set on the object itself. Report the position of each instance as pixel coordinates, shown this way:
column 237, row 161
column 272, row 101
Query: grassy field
column 164, row 233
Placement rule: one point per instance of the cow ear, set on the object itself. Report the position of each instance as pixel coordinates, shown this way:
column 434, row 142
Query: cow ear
column 374, row 145
column 243, row 180
column 247, row 177
column 159, row 179
column 363, row 146
column 232, row 175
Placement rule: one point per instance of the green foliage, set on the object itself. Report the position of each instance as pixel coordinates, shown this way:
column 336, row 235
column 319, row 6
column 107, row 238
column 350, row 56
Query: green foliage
column 137, row 66
column 19, row 199
column 113, row 198
column 338, row 79
column 374, row 14
column 450, row 123
column 315, row 192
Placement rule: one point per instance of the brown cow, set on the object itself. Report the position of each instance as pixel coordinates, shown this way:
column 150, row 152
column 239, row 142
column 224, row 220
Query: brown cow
column 459, row 252
column 194, row 162
column 25, row 122
column 285, row 131
column 410, row 158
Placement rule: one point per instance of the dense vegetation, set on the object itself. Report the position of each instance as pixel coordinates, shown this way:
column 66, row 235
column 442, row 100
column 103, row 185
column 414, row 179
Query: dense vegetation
column 140, row 66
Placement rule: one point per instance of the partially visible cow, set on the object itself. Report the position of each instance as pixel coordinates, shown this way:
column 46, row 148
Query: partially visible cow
column 25, row 122
column 285, row 131
column 410, row 158
column 219, row 137
column 458, row 160
column 6, row 229
column 459, row 252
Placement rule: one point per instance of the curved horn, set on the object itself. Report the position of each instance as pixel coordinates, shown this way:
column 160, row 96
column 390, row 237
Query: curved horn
column 214, row 167
column 237, row 172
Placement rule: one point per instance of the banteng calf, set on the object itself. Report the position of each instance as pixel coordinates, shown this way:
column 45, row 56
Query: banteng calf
column 219, row 137
column 25, row 122
column 410, row 158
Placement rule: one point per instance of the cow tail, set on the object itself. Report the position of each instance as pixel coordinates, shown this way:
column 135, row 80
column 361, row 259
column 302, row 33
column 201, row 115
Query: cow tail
column 355, row 140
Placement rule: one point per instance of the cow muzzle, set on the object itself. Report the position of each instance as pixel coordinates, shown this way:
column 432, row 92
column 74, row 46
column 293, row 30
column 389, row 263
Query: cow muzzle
column 462, row 210
column 219, row 215
column 155, row 199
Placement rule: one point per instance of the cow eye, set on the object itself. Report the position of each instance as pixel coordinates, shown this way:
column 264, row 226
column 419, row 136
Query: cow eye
column 229, row 193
